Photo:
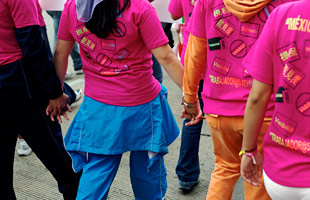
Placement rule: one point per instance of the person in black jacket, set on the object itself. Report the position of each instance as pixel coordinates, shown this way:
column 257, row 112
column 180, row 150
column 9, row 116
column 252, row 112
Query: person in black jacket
column 28, row 82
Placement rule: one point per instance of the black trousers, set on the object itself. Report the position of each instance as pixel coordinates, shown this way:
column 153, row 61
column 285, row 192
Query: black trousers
column 28, row 118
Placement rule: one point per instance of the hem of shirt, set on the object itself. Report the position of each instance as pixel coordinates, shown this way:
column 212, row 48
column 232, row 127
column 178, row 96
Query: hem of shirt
column 285, row 183
column 124, row 104
column 150, row 147
column 258, row 76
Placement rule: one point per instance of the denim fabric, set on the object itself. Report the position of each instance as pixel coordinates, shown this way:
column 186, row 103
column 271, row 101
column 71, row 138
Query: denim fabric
column 148, row 176
column 157, row 71
column 188, row 169
column 28, row 119
column 70, row 92
column 75, row 53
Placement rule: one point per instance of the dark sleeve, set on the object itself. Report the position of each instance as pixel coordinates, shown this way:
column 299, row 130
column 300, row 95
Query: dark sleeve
column 36, row 62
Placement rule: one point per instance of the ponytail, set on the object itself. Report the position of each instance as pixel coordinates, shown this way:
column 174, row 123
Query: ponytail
column 103, row 21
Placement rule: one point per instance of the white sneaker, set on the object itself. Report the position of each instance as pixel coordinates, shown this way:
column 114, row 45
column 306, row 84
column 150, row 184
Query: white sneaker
column 23, row 149
column 69, row 75
column 80, row 71
column 78, row 94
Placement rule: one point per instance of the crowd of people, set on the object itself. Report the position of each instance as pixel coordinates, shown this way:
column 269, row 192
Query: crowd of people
column 244, row 67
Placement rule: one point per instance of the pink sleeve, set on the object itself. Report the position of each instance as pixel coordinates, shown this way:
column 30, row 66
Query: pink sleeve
column 150, row 29
column 24, row 13
column 64, row 24
column 198, row 20
column 175, row 8
column 259, row 61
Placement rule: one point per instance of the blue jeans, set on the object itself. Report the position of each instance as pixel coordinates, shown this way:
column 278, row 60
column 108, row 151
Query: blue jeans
column 188, row 169
column 157, row 72
column 148, row 176
column 75, row 53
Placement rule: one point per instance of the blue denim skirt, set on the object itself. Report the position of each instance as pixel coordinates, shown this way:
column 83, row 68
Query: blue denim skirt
column 107, row 129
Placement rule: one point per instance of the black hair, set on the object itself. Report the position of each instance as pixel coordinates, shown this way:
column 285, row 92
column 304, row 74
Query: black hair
column 103, row 21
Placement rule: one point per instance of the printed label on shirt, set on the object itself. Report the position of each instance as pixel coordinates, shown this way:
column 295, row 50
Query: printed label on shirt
column 216, row 43
column 120, row 29
column 103, row 60
column 307, row 48
column 220, row 11
column 250, row 30
column 88, row 43
column 112, row 70
column 225, row 27
column 298, row 24
column 289, row 53
column 221, row 66
column 294, row 144
column 283, row 95
column 264, row 14
column 284, row 124
column 81, row 31
column 291, row 75
column 230, row 81
column 121, row 54
column 303, row 104
column 108, row 44
column 246, row 74
column 238, row 49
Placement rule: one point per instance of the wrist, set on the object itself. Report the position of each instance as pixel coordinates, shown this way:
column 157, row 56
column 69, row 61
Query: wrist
column 188, row 104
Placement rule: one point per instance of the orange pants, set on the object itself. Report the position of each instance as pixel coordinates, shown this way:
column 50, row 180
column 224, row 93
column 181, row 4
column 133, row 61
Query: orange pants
column 227, row 134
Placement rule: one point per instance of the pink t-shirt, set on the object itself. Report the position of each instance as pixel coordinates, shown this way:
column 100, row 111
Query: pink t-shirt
column 118, row 69
column 226, row 82
column 281, row 57
column 180, row 8
column 14, row 14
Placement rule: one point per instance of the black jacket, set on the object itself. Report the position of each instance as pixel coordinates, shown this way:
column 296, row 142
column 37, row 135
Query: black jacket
column 32, row 75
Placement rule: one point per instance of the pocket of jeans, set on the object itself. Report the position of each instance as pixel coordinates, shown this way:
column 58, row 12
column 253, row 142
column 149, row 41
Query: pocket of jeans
column 213, row 121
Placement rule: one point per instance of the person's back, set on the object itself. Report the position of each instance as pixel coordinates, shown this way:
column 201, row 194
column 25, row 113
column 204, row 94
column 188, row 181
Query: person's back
column 282, row 58
column 125, row 108
column 119, row 59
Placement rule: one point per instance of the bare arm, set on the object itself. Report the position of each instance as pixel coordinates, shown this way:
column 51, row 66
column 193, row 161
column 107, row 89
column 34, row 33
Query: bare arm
column 255, row 112
column 62, row 52
column 170, row 62
column 254, row 115
column 59, row 106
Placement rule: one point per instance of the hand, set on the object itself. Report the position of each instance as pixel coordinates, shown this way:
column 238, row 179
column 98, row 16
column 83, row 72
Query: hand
column 250, row 172
column 193, row 113
column 58, row 107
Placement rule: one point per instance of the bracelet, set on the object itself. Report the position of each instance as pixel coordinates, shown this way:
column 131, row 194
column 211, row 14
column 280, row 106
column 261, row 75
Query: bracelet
column 250, row 153
column 188, row 104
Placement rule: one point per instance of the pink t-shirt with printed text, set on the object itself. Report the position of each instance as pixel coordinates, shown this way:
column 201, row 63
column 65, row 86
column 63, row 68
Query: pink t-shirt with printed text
column 15, row 14
column 226, row 82
column 118, row 69
column 180, row 8
column 282, row 58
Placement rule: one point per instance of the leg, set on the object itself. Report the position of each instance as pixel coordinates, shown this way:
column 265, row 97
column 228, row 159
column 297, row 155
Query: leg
column 252, row 192
column 98, row 175
column 76, row 58
column 8, row 135
column 227, row 141
column 148, row 176
column 56, row 19
column 45, row 139
column 188, row 169
column 157, row 71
